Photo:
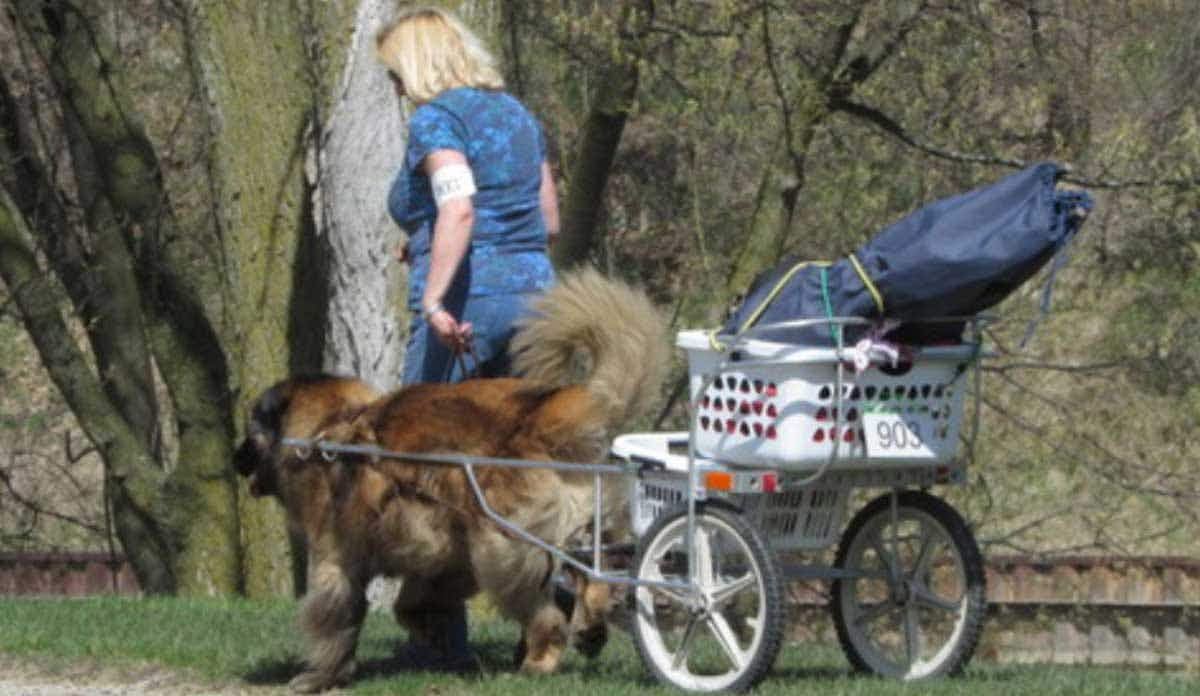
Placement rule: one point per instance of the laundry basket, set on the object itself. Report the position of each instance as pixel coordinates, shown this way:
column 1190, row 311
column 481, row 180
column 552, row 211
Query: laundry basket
column 776, row 405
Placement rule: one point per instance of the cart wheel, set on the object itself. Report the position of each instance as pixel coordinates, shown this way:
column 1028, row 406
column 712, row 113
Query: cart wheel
column 914, row 603
column 724, row 636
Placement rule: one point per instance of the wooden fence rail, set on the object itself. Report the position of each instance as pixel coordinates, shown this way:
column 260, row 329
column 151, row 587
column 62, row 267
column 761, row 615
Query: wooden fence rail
column 1163, row 582
column 73, row 574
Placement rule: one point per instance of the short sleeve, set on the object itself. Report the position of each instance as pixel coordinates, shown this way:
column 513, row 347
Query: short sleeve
column 432, row 128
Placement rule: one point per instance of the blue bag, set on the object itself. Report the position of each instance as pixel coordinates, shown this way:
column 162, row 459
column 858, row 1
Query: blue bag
column 952, row 258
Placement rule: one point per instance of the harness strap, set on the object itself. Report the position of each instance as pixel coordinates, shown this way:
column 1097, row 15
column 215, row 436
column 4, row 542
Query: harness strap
column 418, row 491
column 835, row 331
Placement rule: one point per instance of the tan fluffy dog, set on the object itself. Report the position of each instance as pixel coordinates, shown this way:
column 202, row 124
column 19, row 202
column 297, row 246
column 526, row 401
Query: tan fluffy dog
column 592, row 356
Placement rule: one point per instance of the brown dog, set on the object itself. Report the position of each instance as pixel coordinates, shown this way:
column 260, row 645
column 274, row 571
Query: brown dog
column 592, row 356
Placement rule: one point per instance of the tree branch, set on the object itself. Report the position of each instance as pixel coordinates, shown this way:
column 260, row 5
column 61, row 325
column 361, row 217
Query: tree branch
column 41, row 510
column 1055, row 367
column 891, row 127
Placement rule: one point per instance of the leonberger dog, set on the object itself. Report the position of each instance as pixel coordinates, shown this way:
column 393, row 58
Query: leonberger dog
column 593, row 354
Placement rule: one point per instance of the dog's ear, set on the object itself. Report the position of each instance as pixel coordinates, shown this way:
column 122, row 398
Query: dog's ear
column 253, row 456
column 268, row 411
column 247, row 457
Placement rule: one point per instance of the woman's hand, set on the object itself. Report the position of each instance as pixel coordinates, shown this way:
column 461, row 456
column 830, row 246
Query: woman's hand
column 453, row 334
column 400, row 253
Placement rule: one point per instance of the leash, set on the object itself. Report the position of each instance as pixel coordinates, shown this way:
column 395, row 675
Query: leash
column 460, row 358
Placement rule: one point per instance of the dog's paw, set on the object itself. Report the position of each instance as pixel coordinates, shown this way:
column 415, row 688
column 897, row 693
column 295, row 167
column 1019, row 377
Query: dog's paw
column 310, row 683
column 591, row 640
column 538, row 667
column 314, row 681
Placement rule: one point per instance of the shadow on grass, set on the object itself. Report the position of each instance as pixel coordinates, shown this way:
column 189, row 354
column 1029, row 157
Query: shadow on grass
column 491, row 656
column 833, row 674
column 812, row 673
column 273, row 672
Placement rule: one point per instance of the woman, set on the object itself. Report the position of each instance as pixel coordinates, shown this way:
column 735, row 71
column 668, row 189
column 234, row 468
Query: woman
column 475, row 194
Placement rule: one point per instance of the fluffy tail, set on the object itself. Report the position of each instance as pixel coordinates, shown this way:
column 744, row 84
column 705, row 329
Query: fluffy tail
column 598, row 331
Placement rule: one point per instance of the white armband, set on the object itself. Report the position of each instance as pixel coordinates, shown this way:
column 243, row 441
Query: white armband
column 450, row 182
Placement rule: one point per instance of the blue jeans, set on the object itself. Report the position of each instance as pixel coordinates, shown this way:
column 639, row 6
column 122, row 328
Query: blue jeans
column 492, row 319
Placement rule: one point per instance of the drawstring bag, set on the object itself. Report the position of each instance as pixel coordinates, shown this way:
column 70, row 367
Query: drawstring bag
column 952, row 258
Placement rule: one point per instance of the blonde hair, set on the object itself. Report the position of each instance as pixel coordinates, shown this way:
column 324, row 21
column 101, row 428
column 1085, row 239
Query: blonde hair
column 431, row 51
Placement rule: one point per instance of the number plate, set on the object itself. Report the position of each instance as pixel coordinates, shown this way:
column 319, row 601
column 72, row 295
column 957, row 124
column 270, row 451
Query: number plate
column 900, row 435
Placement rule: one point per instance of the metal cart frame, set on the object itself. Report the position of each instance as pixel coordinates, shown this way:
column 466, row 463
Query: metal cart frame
column 705, row 553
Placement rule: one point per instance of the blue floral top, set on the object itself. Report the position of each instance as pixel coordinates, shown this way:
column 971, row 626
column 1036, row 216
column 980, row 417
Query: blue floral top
column 505, row 148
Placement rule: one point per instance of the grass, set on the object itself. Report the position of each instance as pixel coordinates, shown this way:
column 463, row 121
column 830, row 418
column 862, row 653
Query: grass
column 255, row 643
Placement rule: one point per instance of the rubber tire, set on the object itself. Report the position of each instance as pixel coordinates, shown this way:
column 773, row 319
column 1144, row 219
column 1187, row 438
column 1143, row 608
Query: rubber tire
column 775, row 619
column 964, row 545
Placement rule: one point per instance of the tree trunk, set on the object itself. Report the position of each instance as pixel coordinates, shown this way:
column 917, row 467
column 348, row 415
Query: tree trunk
column 257, row 63
column 589, row 176
column 362, row 147
column 134, row 479
column 191, row 510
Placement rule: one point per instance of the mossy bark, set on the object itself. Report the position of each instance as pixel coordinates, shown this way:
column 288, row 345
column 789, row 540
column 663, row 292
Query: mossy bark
column 262, row 66
column 191, row 509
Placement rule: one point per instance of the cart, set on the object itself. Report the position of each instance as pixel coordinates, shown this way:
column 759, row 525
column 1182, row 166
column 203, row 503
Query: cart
column 780, row 437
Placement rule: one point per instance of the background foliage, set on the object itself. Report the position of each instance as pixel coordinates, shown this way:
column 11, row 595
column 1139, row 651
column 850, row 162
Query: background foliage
column 862, row 111
column 750, row 129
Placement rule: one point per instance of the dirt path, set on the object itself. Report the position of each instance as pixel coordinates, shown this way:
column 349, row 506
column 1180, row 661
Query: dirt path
column 35, row 678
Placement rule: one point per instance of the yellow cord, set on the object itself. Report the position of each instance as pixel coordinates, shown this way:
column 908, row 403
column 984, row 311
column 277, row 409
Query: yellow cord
column 762, row 307
column 866, row 279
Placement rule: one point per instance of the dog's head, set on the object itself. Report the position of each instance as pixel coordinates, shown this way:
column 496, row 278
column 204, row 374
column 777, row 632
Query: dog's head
column 297, row 407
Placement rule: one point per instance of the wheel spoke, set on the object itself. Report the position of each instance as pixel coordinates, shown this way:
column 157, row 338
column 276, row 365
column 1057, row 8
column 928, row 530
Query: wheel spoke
column 679, row 660
column 881, row 574
column 702, row 546
column 729, row 590
column 912, row 634
column 655, row 574
column 921, row 619
column 720, row 631
column 927, row 597
column 921, row 563
column 885, row 558
column 675, row 596
column 874, row 613
column 727, row 639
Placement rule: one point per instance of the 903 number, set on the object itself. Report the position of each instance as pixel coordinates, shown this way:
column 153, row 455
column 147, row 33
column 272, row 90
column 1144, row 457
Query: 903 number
column 897, row 434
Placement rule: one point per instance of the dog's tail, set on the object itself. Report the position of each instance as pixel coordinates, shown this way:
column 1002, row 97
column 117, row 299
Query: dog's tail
column 598, row 331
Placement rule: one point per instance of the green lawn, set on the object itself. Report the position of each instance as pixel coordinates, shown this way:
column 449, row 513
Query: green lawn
column 255, row 643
